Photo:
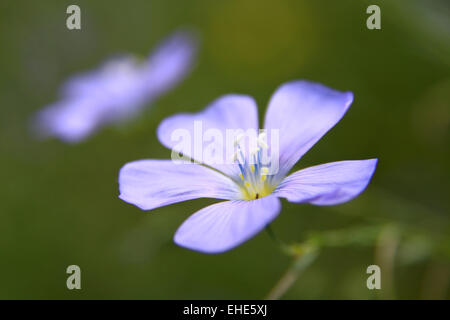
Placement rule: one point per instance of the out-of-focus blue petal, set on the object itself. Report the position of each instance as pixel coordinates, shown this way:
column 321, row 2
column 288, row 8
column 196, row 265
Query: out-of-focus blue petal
column 149, row 184
column 71, row 121
column 227, row 112
column 303, row 112
column 170, row 63
column 329, row 183
column 116, row 91
column 223, row 226
column 114, row 77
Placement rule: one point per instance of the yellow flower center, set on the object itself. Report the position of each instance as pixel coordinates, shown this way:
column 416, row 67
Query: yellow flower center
column 255, row 181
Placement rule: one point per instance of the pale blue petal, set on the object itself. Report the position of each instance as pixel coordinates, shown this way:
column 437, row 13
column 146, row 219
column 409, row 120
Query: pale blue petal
column 303, row 112
column 223, row 226
column 149, row 184
column 71, row 121
column 170, row 63
column 116, row 77
column 228, row 112
column 329, row 183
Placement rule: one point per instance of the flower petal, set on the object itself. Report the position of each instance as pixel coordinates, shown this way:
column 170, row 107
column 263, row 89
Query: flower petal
column 115, row 77
column 227, row 112
column 170, row 62
column 149, row 184
column 223, row 226
column 303, row 112
column 329, row 183
column 71, row 121
column 123, row 75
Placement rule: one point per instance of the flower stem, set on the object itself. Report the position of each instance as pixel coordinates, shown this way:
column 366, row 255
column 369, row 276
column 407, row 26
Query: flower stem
column 386, row 248
column 273, row 236
column 285, row 282
column 304, row 254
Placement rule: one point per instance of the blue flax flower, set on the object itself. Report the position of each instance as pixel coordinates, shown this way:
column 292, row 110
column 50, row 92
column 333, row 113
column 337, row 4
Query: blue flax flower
column 116, row 91
column 301, row 112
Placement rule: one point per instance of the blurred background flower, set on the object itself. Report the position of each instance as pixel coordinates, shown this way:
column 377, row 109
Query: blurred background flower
column 116, row 91
column 59, row 203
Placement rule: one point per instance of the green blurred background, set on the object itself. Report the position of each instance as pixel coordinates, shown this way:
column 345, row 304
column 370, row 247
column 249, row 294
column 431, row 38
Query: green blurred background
column 59, row 204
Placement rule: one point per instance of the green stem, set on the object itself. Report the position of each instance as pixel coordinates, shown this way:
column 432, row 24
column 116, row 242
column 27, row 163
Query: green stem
column 385, row 252
column 306, row 254
column 277, row 240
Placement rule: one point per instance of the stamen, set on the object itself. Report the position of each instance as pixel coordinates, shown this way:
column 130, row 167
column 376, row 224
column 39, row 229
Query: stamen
column 262, row 140
column 264, row 172
column 238, row 156
column 241, row 168
column 255, row 151
column 238, row 139
column 255, row 179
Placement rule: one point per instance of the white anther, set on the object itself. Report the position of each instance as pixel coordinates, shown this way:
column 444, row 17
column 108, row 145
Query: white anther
column 238, row 139
column 238, row 156
column 262, row 140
